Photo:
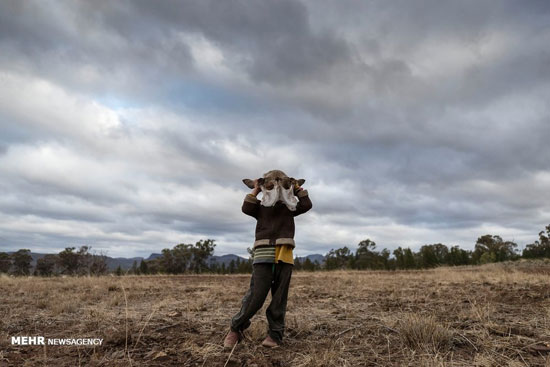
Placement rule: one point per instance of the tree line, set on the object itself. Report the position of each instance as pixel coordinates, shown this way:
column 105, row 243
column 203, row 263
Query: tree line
column 488, row 249
column 189, row 258
column 67, row 262
column 194, row 258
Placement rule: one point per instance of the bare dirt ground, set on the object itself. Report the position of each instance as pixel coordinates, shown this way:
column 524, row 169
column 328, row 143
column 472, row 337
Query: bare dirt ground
column 494, row 315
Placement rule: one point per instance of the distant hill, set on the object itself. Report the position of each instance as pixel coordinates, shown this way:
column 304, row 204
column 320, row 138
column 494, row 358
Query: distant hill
column 153, row 256
column 123, row 262
column 313, row 258
column 126, row 263
column 225, row 259
column 112, row 262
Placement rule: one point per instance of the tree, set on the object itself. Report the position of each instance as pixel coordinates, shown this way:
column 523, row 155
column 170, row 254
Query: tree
column 297, row 264
column 498, row 249
column 316, row 265
column 182, row 255
column 441, row 253
column 540, row 248
column 143, row 269
column 167, row 261
column 98, row 265
column 118, row 271
column 404, row 258
column 427, row 257
column 244, row 266
column 154, row 266
column 5, row 262
column 458, row 256
column 387, row 263
column 338, row 259
column 409, row 261
column 46, row 265
column 68, row 261
column 487, row 257
column 84, row 260
column 366, row 256
column 201, row 252
column 214, row 267
column 238, row 265
column 186, row 257
column 22, row 262
column 308, row 265
column 399, row 256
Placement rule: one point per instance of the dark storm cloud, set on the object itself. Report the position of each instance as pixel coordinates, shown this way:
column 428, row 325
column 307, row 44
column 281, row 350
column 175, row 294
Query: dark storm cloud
column 130, row 124
column 271, row 41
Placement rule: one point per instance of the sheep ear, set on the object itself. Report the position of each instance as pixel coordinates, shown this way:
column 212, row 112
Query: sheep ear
column 300, row 181
column 248, row 182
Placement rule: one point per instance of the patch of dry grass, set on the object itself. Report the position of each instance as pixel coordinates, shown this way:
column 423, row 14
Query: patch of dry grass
column 494, row 315
column 424, row 334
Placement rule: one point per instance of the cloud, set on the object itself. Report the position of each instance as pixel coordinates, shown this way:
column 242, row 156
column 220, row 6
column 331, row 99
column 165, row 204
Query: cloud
column 128, row 126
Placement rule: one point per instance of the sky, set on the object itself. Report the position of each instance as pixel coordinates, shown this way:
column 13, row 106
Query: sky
column 128, row 126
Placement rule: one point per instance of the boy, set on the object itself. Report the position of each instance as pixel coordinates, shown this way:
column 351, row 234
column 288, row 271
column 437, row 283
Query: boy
column 273, row 258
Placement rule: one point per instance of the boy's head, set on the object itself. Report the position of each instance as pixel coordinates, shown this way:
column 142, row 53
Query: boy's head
column 276, row 185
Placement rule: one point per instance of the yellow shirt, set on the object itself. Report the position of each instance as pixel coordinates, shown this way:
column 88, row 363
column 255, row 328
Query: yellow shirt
column 284, row 253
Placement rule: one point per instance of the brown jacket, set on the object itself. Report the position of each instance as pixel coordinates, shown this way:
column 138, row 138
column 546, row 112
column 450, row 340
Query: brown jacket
column 275, row 224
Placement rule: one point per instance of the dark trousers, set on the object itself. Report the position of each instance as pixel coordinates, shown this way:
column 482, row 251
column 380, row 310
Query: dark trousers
column 264, row 278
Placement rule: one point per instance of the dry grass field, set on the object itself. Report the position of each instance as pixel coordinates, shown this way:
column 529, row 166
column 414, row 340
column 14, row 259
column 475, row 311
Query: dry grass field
column 494, row 315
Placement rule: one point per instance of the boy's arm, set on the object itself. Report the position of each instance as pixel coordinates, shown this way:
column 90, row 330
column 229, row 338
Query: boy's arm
column 304, row 204
column 251, row 205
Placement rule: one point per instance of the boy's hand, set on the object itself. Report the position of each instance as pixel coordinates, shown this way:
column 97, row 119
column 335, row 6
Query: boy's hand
column 297, row 189
column 256, row 190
